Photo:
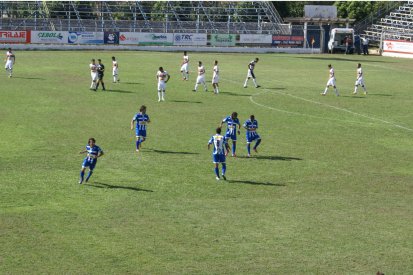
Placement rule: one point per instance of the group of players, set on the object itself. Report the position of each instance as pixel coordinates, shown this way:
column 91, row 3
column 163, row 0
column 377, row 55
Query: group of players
column 332, row 81
column 97, row 72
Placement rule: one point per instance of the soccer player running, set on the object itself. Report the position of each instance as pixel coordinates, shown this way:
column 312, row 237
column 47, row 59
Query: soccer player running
column 101, row 71
column 142, row 119
column 215, row 78
column 331, row 81
column 185, row 67
column 251, row 125
column 201, row 77
column 218, row 153
column 93, row 74
column 163, row 78
column 250, row 73
column 232, row 121
column 93, row 153
column 359, row 80
column 115, row 67
column 10, row 60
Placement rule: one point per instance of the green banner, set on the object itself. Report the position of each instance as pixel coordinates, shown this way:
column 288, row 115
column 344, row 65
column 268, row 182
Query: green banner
column 223, row 40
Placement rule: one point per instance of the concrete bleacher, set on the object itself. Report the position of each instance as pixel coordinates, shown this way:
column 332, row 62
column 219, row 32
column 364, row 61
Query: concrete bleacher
column 397, row 25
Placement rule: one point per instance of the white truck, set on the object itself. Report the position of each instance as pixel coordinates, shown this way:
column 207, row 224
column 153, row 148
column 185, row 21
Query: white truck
column 337, row 42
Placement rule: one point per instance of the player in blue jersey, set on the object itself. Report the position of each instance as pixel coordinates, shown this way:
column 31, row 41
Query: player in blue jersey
column 93, row 153
column 232, row 122
column 218, row 153
column 251, row 125
column 142, row 119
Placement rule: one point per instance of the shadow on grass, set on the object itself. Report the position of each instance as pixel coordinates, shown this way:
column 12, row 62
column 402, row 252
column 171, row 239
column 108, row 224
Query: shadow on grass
column 234, row 94
column 31, row 78
column 119, row 91
column 131, row 83
column 275, row 88
column 172, row 152
column 272, row 158
column 185, row 101
column 256, row 182
column 110, row 186
column 329, row 58
column 379, row 95
column 353, row 96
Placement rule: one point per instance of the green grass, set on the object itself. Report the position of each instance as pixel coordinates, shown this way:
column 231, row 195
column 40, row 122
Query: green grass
column 330, row 191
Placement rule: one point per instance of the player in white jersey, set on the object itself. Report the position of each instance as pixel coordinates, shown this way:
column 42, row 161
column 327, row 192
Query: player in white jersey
column 331, row 81
column 359, row 80
column 93, row 74
column 201, row 77
column 10, row 60
column 185, row 67
column 115, row 67
column 250, row 73
column 215, row 77
column 163, row 78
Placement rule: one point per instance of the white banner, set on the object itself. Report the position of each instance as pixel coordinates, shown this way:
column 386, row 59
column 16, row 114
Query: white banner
column 320, row 11
column 49, row 37
column 85, row 38
column 255, row 39
column 190, row 39
column 398, row 48
column 128, row 38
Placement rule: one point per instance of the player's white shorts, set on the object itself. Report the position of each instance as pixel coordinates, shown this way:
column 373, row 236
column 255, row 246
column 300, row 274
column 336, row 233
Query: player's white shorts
column 9, row 65
column 359, row 81
column 331, row 82
column 250, row 74
column 94, row 76
column 200, row 79
column 215, row 79
column 114, row 71
column 161, row 86
column 184, row 67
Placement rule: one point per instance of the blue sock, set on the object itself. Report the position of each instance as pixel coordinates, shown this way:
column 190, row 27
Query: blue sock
column 224, row 168
column 89, row 175
column 216, row 171
column 234, row 146
column 137, row 144
column 249, row 148
column 82, row 174
column 258, row 143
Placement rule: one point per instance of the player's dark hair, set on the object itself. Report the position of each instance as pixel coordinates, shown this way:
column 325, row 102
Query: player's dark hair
column 113, row 58
column 99, row 60
column 160, row 68
column 216, row 61
column 10, row 49
column 234, row 114
column 359, row 65
column 329, row 65
column 93, row 59
column 142, row 108
column 252, row 117
column 256, row 59
column 199, row 62
column 218, row 130
column 184, row 52
column 91, row 139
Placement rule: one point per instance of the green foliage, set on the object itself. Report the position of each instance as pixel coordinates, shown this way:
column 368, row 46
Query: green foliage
column 328, row 193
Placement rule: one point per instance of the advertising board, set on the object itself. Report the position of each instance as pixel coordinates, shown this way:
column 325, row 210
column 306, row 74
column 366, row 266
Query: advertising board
column 223, row 40
column 398, row 48
column 111, row 38
column 255, row 39
column 14, row 36
column 292, row 41
column 86, row 38
column 49, row 37
column 190, row 39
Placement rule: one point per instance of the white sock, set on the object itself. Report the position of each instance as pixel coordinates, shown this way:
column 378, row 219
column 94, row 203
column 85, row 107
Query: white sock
column 205, row 87
column 159, row 95
column 196, row 86
column 246, row 81
column 163, row 95
column 255, row 82
column 325, row 90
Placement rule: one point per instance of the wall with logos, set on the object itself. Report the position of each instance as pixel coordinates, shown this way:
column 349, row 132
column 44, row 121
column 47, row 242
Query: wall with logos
column 397, row 48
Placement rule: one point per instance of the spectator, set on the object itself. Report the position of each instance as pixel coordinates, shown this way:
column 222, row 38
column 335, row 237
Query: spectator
column 365, row 42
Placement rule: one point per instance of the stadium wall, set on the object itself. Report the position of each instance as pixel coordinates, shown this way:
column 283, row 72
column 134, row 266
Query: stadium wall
column 239, row 43
column 398, row 48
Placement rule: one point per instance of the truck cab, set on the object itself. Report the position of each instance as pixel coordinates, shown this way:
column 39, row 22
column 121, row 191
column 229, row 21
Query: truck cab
column 337, row 42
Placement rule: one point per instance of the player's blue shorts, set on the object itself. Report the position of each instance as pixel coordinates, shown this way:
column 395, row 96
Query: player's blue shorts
column 251, row 136
column 218, row 158
column 141, row 133
column 89, row 162
column 232, row 135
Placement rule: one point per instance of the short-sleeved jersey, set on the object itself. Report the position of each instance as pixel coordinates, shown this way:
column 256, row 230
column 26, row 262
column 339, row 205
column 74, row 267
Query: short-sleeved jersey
column 231, row 124
column 141, row 121
column 186, row 59
column 359, row 73
column 93, row 152
column 115, row 64
column 162, row 76
column 100, row 69
column 219, row 143
column 251, row 126
column 216, row 71
column 251, row 65
column 9, row 56
column 331, row 72
column 92, row 67
column 201, row 70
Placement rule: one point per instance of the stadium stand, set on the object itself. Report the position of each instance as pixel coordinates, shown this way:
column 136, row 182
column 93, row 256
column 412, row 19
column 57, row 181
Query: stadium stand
column 397, row 25
column 253, row 17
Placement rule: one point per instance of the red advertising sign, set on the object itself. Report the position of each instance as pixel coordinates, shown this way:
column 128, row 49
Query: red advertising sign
column 288, row 41
column 14, row 36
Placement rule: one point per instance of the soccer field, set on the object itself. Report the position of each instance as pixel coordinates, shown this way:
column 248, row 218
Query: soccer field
column 329, row 192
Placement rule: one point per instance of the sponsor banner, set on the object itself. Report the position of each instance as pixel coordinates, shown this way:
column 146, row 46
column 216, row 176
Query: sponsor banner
column 111, row 38
column 400, row 47
column 255, row 39
column 320, row 11
column 190, row 39
column 51, row 37
column 128, row 38
column 223, row 40
column 85, row 38
column 147, row 38
column 293, row 41
column 14, row 36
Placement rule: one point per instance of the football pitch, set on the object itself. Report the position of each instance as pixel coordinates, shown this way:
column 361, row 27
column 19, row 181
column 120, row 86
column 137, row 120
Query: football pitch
column 329, row 192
